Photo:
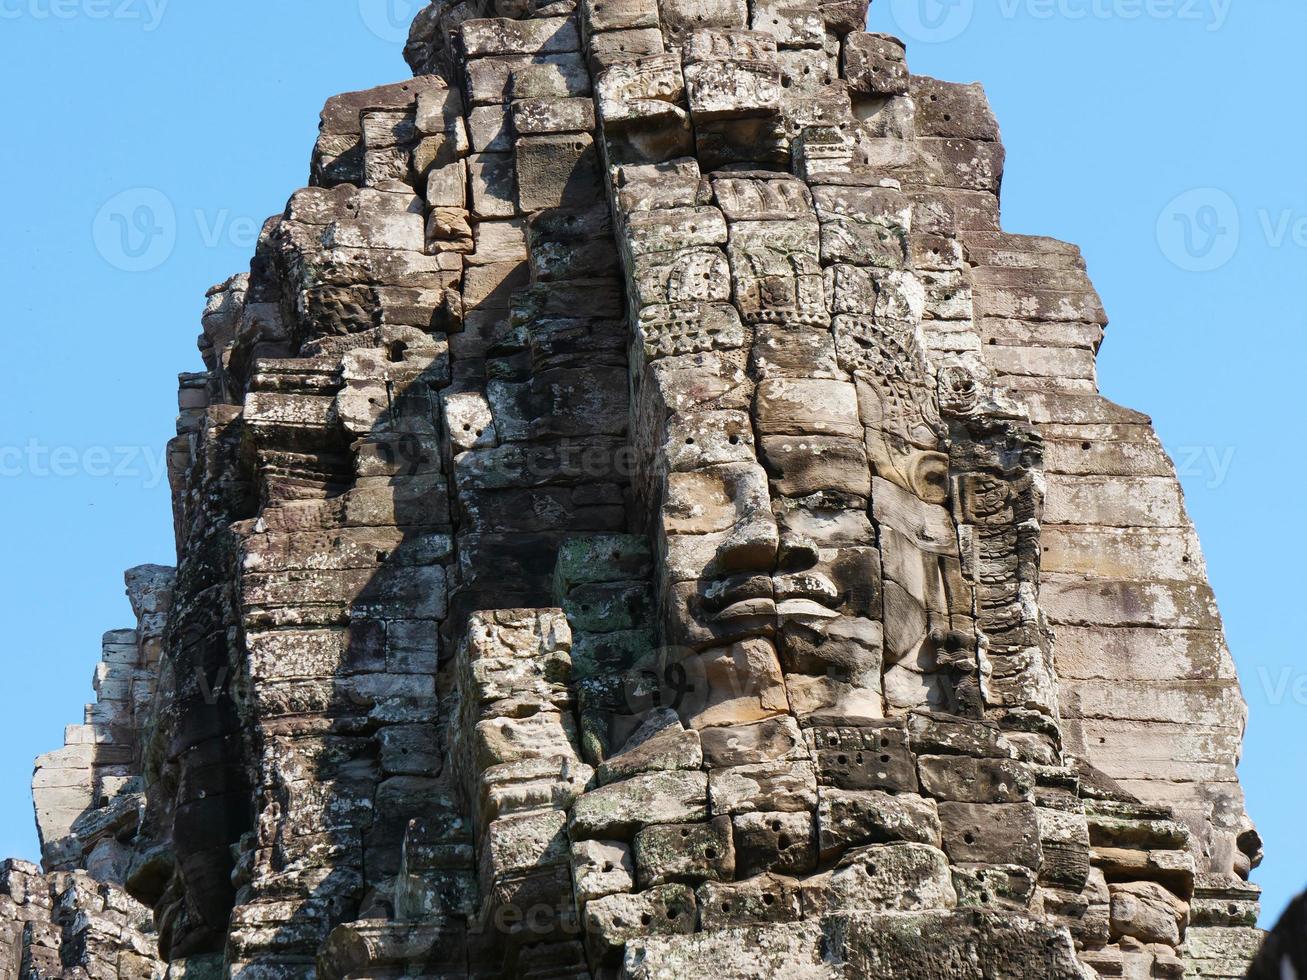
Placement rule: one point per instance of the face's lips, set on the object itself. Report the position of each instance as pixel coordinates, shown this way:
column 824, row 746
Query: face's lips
column 722, row 594
column 805, row 595
column 748, row 609
column 805, row 609
column 806, row 585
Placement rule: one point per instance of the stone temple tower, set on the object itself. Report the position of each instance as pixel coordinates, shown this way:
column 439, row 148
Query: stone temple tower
column 641, row 517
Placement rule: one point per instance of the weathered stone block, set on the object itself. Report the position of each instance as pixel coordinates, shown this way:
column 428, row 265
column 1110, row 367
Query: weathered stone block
column 852, row 818
column 963, row 780
column 499, row 36
column 599, row 16
column 765, row 787
column 1006, row 833
column 617, row 811
column 888, row 877
column 1146, row 911
column 779, row 842
column 602, row 868
column 874, row 757
column 619, row 47
column 557, row 171
column 875, row 64
column 681, row 17
column 532, row 117
column 762, row 899
column 661, row 744
column 492, row 181
column 1004, row 886
column 686, row 853
column 610, row 922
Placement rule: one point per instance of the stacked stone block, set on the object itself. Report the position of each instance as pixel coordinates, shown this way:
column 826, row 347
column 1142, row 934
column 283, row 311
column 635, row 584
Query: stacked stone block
column 642, row 517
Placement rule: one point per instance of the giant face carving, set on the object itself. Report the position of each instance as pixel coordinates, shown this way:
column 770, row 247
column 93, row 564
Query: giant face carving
column 794, row 443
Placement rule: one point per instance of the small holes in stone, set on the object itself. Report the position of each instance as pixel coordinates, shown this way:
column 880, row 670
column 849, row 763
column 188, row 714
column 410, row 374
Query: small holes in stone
column 969, row 838
column 711, row 854
column 608, row 867
column 646, row 919
column 769, row 899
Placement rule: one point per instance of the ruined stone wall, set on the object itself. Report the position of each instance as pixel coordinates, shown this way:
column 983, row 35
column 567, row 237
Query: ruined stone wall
column 641, row 516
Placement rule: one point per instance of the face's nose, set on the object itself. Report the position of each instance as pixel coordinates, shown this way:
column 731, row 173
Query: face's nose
column 751, row 545
column 797, row 553
column 718, row 522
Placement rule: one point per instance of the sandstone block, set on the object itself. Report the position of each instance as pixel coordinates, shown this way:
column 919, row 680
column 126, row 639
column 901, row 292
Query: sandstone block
column 774, row 842
column 686, row 853
column 618, row 810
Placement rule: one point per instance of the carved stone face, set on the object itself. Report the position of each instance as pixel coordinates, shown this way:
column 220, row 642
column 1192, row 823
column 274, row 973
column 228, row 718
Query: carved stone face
column 782, row 425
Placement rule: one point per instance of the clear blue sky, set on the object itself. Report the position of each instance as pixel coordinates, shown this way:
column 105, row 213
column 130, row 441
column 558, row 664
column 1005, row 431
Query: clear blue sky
column 1114, row 111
